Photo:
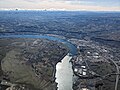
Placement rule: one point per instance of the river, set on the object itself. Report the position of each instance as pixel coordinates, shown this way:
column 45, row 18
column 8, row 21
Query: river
column 73, row 49
column 64, row 74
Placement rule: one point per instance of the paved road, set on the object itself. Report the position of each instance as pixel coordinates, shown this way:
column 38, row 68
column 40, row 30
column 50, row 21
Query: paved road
column 117, row 76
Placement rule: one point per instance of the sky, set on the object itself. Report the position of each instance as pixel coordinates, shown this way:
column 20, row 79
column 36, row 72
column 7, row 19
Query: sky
column 89, row 5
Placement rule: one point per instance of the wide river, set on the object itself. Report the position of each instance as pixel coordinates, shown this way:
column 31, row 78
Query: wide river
column 64, row 72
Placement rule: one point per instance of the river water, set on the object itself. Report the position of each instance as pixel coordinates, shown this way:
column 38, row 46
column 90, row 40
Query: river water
column 72, row 47
column 64, row 72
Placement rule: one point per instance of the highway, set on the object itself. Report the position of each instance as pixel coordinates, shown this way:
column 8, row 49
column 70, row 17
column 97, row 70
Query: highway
column 117, row 75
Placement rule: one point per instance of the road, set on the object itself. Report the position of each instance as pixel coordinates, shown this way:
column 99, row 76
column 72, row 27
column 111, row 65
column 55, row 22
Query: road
column 117, row 72
column 117, row 76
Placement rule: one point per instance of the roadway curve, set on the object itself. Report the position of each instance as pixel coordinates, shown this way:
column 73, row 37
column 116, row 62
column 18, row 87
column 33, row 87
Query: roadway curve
column 117, row 75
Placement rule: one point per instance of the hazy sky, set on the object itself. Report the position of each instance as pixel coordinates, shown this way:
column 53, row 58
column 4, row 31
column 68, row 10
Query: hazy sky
column 104, row 5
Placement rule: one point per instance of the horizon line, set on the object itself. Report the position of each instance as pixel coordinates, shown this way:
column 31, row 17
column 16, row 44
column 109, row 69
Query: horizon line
column 17, row 9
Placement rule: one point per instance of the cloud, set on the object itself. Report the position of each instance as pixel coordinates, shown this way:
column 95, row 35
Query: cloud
column 58, row 4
